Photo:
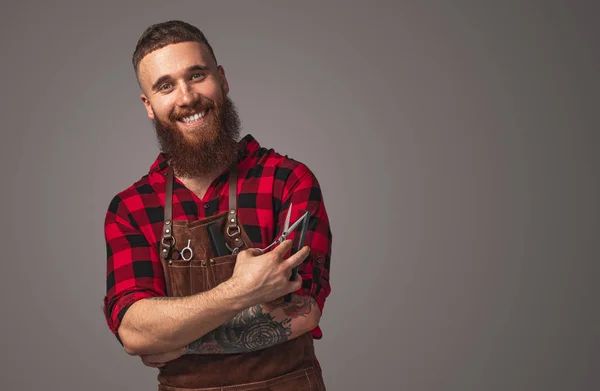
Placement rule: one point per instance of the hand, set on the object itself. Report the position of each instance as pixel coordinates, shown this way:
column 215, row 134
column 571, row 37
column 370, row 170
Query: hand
column 159, row 360
column 266, row 277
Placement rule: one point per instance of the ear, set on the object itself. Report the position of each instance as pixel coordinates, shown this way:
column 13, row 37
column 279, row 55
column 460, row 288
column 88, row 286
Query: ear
column 223, row 79
column 147, row 106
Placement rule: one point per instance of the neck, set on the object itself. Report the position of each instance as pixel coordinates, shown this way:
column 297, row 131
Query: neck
column 200, row 184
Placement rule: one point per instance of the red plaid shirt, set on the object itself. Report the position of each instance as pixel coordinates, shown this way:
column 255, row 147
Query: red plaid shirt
column 268, row 183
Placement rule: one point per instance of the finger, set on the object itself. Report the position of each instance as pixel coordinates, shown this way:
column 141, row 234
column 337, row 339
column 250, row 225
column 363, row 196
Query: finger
column 164, row 357
column 296, row 283
column 283, row 248
column 152, row 364
column 297, row 258
column 157, row 365
column 172, row 355
column 154, row 358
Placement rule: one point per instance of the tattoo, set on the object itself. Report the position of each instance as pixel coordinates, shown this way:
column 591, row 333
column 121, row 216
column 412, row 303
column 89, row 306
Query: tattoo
column 296, row 307
column 250, row 330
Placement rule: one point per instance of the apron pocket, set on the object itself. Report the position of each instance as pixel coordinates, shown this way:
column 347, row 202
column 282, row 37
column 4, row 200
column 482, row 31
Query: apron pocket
column 222, row 268
column 200, row 279
column 188, row 277
column 179, row 275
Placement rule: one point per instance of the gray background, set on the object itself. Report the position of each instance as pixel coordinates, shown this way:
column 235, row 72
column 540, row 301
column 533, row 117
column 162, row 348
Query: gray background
column 457, row 147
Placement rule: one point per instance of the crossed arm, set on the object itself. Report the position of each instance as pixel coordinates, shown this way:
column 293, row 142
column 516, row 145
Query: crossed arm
column 255, row 328
column 223, row 318
column 259, row 327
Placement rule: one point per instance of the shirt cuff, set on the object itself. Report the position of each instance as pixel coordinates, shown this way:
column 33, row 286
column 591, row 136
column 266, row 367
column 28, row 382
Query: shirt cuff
column 114, row 313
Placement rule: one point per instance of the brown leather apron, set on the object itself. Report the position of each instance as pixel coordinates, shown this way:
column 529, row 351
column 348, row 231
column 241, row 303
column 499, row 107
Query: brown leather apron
column 287, row 366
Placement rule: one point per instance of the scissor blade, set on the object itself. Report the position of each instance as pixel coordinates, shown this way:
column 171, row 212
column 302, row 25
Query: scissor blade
column 286, row 226
column 293, row 227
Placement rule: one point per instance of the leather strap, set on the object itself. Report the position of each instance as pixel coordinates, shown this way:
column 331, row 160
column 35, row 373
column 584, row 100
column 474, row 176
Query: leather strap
column 232, row 221
column 233, row 188
column 167, row 242
column 233, row 230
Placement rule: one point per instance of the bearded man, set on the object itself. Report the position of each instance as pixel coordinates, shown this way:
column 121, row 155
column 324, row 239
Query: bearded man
column 197, row 284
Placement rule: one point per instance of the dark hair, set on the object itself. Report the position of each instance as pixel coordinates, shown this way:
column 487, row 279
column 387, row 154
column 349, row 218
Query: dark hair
column 162, row 34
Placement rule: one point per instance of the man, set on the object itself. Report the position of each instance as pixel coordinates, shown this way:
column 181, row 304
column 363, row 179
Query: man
column 190, row 286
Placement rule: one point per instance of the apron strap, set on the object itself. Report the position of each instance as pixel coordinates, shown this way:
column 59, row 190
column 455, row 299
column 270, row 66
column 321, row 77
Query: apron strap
column 232, row 221
column 168, row 241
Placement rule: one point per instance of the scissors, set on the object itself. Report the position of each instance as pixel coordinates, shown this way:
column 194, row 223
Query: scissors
column 287, row 228
column 186, row 254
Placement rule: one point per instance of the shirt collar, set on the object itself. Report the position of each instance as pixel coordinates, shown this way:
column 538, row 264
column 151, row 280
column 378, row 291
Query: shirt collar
column 248, row 145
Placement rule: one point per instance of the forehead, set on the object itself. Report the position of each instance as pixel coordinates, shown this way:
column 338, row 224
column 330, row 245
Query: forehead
column 173, row 59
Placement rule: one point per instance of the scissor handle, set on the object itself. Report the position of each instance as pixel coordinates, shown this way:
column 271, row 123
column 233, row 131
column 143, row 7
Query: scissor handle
column 303, row 230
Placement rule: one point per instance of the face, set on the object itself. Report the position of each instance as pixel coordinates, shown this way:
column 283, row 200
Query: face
column 185, row 95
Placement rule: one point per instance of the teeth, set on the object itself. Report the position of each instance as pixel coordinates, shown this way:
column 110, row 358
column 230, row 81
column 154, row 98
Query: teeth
column 193, row 118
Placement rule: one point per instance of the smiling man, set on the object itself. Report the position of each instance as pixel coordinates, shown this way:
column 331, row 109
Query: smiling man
column 189, row 289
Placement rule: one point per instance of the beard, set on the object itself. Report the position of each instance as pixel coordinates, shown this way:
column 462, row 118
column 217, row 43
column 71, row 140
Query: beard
column 206, row 149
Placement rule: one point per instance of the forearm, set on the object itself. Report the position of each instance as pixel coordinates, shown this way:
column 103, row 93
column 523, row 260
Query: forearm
column 161, row 324
column 259, row 327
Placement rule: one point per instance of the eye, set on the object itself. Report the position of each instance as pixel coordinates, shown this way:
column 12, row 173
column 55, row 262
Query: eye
column 197, row 76
column 164, row 87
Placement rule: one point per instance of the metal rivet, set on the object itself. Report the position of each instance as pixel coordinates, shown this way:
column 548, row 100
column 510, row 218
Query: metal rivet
column 164, row 250
column 232, row 220
column 206, row 206
column 170, row 262
column 212, row 261
column 167, row 230
column 319, row 260
column 237, row 239
column 232, row 211
column 167, row 222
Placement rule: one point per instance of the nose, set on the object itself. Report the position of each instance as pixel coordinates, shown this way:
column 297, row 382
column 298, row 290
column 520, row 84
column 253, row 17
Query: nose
column 187, row 96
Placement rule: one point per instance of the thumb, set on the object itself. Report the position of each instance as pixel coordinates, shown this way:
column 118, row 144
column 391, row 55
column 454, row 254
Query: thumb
column 253, row 252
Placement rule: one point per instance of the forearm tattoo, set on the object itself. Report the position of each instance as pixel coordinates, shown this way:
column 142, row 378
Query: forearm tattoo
column 298, row 306
column 252, row 329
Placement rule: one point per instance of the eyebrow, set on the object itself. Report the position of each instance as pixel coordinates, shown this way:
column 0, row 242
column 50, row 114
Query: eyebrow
column 164, row 78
